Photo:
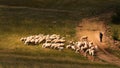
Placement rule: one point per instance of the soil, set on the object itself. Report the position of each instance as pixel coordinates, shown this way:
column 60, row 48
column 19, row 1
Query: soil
column 91, row 28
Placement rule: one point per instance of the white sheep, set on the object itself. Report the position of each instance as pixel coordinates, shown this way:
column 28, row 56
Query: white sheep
column 23, row 39
column 58, row 45
column 73, row 48
column 79, row 44
column 90, row 44
column 53, row 36
column 68, row 46
column 36, row 41
column 58, row 40
column 60, row 48
column 46, row 45
column 53, row 45
column 84, row 38
column 83, row 48
column 27, row 42
column 90, row 51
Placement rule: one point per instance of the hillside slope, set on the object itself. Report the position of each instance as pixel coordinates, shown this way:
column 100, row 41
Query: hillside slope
column 81, row 7
column 91, row 28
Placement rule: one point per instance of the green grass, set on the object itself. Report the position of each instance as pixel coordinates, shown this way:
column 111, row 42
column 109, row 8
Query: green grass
column 113, row 27
column 64, row 4
column 49, row 62
column 117, row 27
column 82, row 8
column 17, row 22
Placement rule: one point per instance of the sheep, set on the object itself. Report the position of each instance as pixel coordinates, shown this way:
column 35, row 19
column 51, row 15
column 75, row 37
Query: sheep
column 60, row 48
column 68, row 46
column 41, row 40
column 61, row 40
column 36, row 41
column 73, row 48
column 58, row 40
column 53, row 45
column 83, row 48
column 84, row 38
column 32, row 40
column 95, row 47
column 58, row 45
column 27, row 42
column 90, row 44
column 47, row 37
column 71, row 43
column 53, row 36
column 23, row 39
column 36, row 37
column 46, row 45
column 79, row 44
column 90, row 51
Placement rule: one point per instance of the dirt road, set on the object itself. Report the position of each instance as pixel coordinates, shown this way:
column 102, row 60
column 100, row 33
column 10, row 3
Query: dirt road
column 91, row 28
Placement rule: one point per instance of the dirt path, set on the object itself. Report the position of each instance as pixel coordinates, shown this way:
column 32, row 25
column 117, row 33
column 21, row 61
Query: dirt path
column 91, row 28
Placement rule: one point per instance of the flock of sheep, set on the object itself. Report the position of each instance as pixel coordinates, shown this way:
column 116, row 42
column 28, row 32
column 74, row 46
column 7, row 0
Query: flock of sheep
column 55, row 41
column 83, row 46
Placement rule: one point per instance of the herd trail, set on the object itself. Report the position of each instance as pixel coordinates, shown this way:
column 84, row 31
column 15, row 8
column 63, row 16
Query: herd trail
column 91, row 28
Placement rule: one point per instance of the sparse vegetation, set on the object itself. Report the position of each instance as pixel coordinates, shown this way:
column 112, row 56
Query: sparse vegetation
column 114, row 52
column 115, row 34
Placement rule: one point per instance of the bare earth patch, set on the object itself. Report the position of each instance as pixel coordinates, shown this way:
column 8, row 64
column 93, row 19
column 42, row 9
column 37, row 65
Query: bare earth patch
column 91, row 28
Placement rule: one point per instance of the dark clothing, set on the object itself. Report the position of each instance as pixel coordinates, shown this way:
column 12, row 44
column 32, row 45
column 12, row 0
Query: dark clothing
column 101, row 35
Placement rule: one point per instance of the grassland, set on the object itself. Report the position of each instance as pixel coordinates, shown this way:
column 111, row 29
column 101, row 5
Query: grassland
column 115, row 27
column 20, row 18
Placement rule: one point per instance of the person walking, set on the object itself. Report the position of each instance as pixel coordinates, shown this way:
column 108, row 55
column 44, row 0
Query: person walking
column 100, row 36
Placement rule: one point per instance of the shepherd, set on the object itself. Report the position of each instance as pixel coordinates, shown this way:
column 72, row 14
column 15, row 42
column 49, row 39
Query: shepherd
column 101, row 36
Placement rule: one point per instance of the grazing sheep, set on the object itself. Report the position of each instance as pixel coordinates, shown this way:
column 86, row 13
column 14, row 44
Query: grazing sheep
column 68, row 46
column 46, row 45
column 23, row 39
column 60, row 48
column 32, row 40
column 84, row 38
column 53, row 45
column 36, row 41
column 79, row 44
column 90, row 52
column 58, row 40
column 73, row 48
column 27, row 42
column 71, row 43
column 90, row 44
column 83, row 48
column 53, row 36
column 58, row 45
column 61, row 41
